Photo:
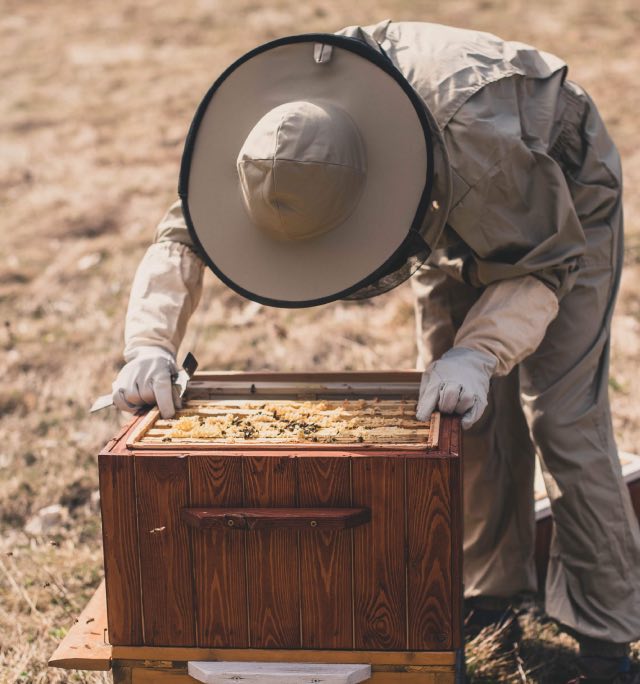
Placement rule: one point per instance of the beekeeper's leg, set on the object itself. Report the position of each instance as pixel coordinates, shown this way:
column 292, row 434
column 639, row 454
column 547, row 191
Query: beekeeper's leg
column 593, row 583
column 498, row 463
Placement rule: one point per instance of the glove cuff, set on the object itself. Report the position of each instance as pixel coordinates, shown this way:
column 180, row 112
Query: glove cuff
column 480, row 361
column 148, row 351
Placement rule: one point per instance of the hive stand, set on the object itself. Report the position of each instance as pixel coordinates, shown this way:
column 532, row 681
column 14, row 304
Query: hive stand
column 86, row 647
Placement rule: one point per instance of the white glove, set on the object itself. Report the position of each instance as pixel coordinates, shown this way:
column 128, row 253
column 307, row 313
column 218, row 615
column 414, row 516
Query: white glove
column 146, row 380
column 457, row 383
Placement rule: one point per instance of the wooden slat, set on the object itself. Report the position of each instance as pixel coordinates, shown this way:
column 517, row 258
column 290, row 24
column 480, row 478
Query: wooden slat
column 429, row 554
column 250, row 404
column 143, row 426
column 219, row 562
column 165, row 559
column 146, row 653
column 449, row 441
column 456, row 466
column 147, row 676
column 84, row 646
column 379, row 567
column 121, row 675
column 412, row 678
column 120, row 543
column 325, row 557
column 125, row 430
column 344, row 377
column 434, row 431
column 272, row 556
column 277, row 448
column 119, row 445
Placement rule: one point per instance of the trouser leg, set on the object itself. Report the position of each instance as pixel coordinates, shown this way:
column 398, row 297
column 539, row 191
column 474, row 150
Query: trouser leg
column 499, row 521
column 440, row 305
column 593, row 582
column 499, row 524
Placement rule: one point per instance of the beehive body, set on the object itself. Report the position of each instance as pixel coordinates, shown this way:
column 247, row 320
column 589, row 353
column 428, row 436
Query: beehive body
column 388, row 581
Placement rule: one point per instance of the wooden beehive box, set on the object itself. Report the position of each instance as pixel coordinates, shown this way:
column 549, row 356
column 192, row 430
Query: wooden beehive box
column 340, row 528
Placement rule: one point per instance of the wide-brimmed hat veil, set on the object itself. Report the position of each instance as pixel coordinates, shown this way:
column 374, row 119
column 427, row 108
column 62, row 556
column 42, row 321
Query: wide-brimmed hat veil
column 314, row 172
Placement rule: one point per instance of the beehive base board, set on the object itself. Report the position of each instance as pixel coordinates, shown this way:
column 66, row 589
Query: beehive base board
column 86, row 647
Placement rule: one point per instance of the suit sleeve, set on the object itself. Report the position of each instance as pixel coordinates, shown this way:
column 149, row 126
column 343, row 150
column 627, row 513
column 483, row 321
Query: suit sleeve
column 509, row 321
column 515, row 212
column 166, row 288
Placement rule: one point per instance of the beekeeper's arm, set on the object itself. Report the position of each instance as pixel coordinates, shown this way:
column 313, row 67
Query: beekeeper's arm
column 165, row 292
column 519, row 220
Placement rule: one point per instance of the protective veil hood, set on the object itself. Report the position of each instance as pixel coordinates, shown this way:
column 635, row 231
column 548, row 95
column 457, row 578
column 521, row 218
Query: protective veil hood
column 314, row 172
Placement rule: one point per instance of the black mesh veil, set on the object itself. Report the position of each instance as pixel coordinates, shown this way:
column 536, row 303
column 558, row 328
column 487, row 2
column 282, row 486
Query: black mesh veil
column 403, row 264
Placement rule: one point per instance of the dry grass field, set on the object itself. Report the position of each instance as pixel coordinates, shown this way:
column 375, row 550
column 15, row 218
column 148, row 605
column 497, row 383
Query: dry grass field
column 96, row 100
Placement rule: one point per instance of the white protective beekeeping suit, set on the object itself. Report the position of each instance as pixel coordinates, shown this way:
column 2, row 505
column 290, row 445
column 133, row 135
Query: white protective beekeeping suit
column 526, row 274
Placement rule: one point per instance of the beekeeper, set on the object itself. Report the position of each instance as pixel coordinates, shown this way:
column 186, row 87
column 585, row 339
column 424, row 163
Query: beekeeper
column 327, row 167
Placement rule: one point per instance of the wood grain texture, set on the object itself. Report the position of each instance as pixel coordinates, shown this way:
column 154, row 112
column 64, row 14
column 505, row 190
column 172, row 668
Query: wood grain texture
column 413, row 678
column 455, row 486
column 84, row 647
column 219, row 562
column 347, row 378
column 121, row 674
column 287, row 589
column 155, row 654
column 449, row 441
column 455, row 441
column 117, row 443
column 429, row 554
column 272, row 556
column 120, row 544
column 325, row 557
column 165, row 558
column 379, row 554
column 147, row 676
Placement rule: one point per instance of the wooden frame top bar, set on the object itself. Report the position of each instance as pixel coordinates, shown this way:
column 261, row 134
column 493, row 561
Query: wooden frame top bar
column 321, row 377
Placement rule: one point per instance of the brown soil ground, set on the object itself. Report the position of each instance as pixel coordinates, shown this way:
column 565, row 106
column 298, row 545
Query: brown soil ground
column 96, row 100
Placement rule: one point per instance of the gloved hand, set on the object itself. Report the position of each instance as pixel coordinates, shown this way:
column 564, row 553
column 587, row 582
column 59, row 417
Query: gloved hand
column 457, row 383
column 147, row 380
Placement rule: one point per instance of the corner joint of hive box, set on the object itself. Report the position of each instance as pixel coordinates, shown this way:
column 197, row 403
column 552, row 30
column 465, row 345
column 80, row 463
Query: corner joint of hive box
column 434, row 431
